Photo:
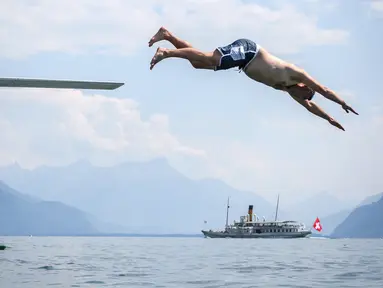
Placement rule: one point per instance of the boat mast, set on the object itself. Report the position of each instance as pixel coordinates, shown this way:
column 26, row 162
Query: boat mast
column 227, row 212
column 276, row 211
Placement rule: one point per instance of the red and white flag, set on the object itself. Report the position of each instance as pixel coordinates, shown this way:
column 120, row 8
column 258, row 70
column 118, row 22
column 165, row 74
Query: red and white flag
column 317, row 226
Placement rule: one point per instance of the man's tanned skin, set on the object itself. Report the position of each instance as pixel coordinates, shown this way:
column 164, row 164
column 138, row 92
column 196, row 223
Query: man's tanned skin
column 258, row 64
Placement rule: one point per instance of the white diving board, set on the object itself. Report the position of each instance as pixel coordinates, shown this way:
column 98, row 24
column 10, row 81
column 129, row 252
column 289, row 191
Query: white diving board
column 58, row 84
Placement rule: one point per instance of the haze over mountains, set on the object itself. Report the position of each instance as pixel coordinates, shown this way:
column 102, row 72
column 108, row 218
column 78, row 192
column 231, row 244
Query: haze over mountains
column 152, row 197
column 331, row 222
column 363, row 222
column 322, row 205
column 149, row 197
column 21, row 214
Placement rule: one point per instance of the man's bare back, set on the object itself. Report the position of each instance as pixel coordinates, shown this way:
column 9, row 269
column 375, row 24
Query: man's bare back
column 258, row 64
column 271, row 71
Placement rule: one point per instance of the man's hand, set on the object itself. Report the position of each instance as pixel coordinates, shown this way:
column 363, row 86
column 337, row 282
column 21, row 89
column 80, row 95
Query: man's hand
column 332, row 96
column 346, row 108
column 335, row 123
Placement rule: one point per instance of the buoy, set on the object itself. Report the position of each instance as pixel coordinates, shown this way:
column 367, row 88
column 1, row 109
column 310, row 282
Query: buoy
column 2, row 247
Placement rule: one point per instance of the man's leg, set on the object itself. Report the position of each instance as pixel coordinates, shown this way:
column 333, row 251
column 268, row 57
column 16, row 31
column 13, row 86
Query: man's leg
column 208, row 59
column 164, row 34
column 306, row 79
column 315, row 109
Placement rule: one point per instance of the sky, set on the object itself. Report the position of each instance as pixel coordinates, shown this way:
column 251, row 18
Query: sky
column 207, row 124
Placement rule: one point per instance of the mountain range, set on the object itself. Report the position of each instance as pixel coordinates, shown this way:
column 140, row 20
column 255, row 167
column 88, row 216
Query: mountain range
column 332, row 221
column 142, row 197
column 327, row 207
column 363, row 222
column 22, row 215
column 152, row 197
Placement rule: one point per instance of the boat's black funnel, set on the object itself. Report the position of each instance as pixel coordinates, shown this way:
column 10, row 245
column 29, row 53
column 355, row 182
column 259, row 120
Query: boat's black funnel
column 250, row 213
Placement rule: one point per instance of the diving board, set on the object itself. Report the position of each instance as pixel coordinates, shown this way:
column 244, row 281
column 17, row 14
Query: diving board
column 59, row 84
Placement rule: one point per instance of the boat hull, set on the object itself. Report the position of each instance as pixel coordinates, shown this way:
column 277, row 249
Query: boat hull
column 212, row 234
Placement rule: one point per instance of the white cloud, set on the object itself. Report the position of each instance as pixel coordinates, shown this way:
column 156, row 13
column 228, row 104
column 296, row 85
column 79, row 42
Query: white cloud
column 123, row 27
column 377, row 5
column 300, row 154
column 57, row 127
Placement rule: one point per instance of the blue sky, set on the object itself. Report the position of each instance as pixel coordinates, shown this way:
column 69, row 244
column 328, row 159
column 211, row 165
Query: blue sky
column 207, row 124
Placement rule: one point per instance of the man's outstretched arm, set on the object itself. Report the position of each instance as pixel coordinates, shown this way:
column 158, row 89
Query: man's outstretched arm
column 315, row 109
column 306, row 79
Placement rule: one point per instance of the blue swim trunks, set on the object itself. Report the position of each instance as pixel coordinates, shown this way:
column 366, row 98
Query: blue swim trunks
column 237, row 54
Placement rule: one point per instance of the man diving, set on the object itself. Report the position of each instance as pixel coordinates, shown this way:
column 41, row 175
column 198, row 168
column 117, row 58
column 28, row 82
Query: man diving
column 258, row 64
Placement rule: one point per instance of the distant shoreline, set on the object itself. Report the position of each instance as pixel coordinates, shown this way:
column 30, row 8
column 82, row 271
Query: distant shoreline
column 133, row 235
column 169, row 235
column 112, row 235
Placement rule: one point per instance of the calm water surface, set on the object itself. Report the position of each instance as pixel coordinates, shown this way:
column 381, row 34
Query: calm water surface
column 189, row 262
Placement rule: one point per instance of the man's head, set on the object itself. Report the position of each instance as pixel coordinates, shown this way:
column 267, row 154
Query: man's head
column 301, row 91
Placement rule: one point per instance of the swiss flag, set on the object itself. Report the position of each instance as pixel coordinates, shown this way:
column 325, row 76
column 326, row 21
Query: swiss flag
column 317, row 226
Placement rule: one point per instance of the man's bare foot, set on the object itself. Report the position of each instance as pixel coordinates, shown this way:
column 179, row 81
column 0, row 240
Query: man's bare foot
column 160, row 35
column 336, row 124
column 160, row 55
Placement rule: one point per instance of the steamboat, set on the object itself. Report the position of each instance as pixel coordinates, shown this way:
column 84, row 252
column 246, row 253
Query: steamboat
column 249, row 226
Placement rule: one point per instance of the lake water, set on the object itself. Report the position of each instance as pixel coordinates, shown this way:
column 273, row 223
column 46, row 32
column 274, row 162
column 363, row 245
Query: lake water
column 189, row 262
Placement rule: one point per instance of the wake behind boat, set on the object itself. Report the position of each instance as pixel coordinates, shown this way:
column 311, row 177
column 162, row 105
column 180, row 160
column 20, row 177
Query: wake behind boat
column 247, row 228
